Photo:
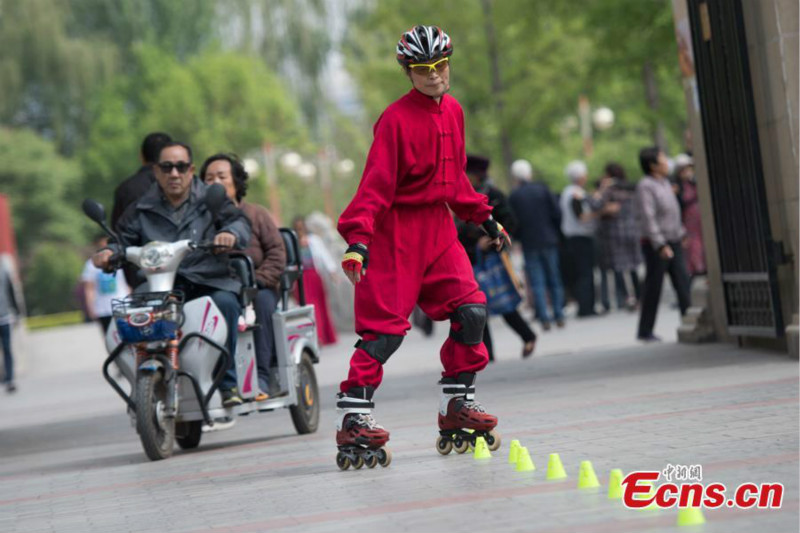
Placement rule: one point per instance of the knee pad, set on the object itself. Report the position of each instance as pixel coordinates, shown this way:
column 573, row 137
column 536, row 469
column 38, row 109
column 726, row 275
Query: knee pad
column 381, row 348
column 472, row 318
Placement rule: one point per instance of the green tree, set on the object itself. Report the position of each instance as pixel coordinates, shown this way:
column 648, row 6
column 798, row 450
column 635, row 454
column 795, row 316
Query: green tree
column 217, row 101
column 43, row 188
column 46, row 73
column 49, row 280
column 179, row 29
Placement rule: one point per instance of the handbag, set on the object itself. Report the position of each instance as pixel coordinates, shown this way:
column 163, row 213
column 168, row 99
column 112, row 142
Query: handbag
column 495, row 281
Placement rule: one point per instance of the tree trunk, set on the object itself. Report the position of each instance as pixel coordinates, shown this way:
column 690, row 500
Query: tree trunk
column 498, row 94
column 651, row 94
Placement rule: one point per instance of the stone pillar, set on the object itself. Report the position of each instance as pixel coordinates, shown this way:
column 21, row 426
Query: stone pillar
column 771, row 27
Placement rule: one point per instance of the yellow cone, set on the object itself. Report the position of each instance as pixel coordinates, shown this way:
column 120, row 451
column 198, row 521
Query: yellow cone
column 690, row 516
column 481, row 450
column 615, row 484
column 513, row 453
column 555, row 470
column 646, row 496
column 524, row 462
column 587, row 479
column 471, row 447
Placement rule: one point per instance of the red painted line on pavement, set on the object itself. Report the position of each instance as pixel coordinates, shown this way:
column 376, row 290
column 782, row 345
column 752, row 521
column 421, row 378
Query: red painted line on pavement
column 659, row 416
column 669, row 520
column 752, row 461
column 390, row 508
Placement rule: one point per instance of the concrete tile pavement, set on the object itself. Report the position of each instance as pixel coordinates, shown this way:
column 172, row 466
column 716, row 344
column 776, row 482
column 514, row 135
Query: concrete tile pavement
column 631, row 407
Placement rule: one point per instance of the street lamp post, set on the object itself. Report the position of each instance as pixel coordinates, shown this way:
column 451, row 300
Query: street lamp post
column 602, row 118
column 271, row 174
column 584, row 111
column 324, row 163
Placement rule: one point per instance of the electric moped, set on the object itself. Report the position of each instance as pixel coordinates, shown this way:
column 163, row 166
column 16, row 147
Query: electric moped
column 172, row 352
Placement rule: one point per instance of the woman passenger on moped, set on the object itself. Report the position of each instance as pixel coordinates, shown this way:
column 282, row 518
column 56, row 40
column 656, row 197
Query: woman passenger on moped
column 267, row 251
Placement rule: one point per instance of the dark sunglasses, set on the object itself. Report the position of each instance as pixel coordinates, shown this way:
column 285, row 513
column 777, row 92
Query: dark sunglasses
column 167, row 166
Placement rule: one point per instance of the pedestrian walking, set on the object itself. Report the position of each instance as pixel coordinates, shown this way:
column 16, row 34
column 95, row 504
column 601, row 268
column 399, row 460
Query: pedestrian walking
column 618, row 239
column 478, row 247
column 661, row 230
column 690, row 215
column 315, row 257
column 9, row 311
column 578, row 224
column 102, row 288
column 539, row 220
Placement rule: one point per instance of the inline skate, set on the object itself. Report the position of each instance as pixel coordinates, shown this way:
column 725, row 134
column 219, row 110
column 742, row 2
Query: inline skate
column 461, row 419
column 359, row 438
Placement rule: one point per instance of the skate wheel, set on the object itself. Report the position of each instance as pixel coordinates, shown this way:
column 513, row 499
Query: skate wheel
column 492, row 440
column 342, row 461
column 384, row 457
column 443, row 446
column 461, row 446
column 372, row 462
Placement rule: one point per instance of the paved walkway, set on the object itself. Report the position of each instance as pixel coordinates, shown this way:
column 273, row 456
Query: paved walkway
column 71, row 462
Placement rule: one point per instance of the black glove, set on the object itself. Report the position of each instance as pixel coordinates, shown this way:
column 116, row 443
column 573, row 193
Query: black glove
column 496, row 230
column 115, row 262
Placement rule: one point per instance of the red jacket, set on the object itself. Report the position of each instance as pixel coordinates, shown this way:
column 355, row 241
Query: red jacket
column 417, row 158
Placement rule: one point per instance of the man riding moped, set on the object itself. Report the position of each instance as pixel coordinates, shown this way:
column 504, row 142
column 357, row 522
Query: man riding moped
column 174, row 209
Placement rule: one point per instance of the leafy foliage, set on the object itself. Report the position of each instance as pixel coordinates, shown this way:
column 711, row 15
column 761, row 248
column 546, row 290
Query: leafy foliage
column 551, row 53
column 51, row 277
column 216, row 102
column 43, row 188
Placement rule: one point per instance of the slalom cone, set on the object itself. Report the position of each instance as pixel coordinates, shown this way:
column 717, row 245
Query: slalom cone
column 513, row 453
column 615, row 484
column 555, row 470
column 471, row 447
column 524, row 462
column 690, row 516
column 481, row 450
column 646, row 496
column 587, row 479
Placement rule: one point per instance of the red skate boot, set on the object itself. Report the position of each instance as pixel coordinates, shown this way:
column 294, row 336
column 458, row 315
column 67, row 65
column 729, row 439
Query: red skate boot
column 461, row 419
column 359, row 438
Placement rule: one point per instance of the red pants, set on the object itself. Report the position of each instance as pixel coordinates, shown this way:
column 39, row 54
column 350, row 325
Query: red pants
column 414, row 258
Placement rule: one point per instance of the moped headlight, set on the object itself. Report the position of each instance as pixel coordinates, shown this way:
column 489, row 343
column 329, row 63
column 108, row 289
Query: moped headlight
column 155, row 255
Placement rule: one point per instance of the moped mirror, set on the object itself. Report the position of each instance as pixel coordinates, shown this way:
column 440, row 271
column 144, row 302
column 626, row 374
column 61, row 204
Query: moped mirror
column 94, row 210
column 215, row 198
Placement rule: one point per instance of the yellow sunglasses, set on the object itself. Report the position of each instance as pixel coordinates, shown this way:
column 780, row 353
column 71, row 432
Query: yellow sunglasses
column 426, row 69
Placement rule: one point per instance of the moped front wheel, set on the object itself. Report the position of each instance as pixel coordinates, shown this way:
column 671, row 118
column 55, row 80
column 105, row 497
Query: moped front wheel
column 156, row 430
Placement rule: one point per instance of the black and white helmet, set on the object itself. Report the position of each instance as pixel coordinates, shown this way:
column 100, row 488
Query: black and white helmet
column 423, row 43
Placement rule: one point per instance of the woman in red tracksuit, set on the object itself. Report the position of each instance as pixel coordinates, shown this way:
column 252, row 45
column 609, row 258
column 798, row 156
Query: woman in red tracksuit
column 404, row 250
